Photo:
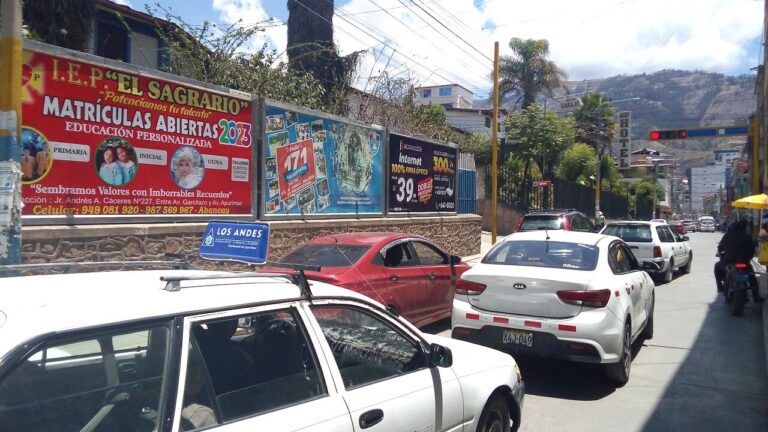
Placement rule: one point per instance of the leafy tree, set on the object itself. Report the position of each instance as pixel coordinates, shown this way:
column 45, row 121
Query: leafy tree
column 65, row 23
column 214, row 55
column 578, row 163
column 479, row 145
column 528, row 72
column 539, row 137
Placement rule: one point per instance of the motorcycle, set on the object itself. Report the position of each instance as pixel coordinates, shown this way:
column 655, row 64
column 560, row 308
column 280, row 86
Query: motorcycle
column 736, row 286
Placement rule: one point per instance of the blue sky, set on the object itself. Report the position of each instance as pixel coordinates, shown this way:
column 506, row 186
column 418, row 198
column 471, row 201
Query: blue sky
column 439, row 41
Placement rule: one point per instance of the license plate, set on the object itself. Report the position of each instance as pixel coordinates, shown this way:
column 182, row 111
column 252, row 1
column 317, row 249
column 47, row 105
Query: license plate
column 517, row 337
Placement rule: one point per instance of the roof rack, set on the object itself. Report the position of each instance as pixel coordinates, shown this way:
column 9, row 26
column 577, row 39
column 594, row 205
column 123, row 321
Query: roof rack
column 173, row 283
column 67, row 267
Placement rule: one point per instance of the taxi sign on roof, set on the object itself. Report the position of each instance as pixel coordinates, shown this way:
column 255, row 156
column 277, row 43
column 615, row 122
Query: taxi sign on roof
column 236, row 241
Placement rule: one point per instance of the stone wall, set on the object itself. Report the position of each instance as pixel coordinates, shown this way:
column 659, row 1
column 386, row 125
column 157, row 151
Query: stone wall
column 459, row 235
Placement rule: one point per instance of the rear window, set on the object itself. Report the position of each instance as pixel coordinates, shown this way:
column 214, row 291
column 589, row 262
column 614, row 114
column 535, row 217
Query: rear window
column 537, row 253
column 326, row 255
column 707, row 222
column 630, row 233
column 531, row 223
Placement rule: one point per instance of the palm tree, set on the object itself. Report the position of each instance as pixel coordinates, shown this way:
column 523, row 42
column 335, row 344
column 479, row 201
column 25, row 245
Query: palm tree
column 594, row 122
column 528, row 71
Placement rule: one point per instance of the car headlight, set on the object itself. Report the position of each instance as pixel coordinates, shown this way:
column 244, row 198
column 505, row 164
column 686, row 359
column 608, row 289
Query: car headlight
column 518, row 373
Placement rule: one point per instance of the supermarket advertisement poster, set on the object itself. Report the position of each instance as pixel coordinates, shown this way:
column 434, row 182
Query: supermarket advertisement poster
column 422, row 176
column 101, row 141
column 316, row 165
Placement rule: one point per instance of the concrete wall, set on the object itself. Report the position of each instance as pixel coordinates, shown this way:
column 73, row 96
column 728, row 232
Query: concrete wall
column 506, row 216
column 459, row 235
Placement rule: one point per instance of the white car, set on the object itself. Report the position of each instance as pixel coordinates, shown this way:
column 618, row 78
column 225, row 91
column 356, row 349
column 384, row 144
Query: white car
column 170, row 350
column 706, row 224
column 577, row 296
column 657, row 242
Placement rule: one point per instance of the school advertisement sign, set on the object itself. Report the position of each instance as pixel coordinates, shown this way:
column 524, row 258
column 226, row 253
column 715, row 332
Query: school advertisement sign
column 318, row 165
column 422, row 175
column 104, row 141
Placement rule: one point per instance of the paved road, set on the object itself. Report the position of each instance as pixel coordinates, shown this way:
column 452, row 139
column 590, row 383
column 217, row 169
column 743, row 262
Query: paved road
column 704, row 370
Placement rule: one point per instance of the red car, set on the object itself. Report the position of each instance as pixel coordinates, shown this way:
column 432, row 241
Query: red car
column 678, row 227
column 404, row 271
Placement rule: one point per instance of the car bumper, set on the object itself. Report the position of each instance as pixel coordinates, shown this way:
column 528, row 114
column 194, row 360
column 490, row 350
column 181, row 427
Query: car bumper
column 707, row 229
column 593, row 336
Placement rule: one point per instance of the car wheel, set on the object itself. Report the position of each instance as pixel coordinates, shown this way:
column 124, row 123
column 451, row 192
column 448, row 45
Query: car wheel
column 669, row 274
column 687, row 268
column 618, row 372
column 648, row 330
column 495, row 417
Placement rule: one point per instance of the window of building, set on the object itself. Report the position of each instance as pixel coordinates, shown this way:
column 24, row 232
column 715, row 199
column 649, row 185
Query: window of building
column 487, row 122
column 112, row 42
column 426, row 93
column 445, row 91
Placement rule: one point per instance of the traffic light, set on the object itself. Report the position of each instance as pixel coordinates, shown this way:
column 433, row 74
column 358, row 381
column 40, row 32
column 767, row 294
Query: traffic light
column 668, row 134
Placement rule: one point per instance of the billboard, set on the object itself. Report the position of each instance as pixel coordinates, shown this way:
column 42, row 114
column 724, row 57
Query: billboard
column 422, row 175
column 101, row 140
column 316, row 164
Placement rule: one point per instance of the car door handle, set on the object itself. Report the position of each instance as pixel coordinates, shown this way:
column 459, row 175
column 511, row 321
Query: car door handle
column 394, row 278
column 370, row 418
column 431, row 276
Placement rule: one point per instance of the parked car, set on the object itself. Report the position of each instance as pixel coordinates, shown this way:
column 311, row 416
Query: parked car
column 184, row 349
column 690, row 225
column 677, row 227
column 706, row 224
column 583, row 297
column 655, row 241
column 568, row 220
column 406, row 272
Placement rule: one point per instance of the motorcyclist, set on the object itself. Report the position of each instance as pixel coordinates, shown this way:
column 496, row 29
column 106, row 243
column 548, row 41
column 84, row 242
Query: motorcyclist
column 736, row 247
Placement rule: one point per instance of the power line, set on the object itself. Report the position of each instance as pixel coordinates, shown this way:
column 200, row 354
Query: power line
column 453, row 32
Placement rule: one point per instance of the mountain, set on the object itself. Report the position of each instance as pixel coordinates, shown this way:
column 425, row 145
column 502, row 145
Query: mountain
column 675, row 99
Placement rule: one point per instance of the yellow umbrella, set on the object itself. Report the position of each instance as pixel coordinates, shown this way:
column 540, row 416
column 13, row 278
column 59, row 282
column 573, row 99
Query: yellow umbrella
column 757, row 202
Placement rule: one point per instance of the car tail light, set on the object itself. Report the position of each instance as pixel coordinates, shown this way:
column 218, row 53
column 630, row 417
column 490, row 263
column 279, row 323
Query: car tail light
column 469, row 288
column 566, row 224
column 518, row 225
column 657, row 251
column 596, row 298
column 741, row 266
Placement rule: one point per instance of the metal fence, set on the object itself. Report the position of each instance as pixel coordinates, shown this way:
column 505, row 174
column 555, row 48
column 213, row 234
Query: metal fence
column 467, row 179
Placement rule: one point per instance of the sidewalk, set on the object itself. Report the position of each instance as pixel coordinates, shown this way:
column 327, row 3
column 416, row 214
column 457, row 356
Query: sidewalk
column 485, row 245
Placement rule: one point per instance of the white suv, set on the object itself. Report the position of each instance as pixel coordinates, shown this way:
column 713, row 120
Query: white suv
column 657, row 242
column 170, row 350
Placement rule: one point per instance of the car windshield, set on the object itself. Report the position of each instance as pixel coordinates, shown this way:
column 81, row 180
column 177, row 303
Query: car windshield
column 639, row 233
column 536, row 222
column 543, row 253
column 326, row 255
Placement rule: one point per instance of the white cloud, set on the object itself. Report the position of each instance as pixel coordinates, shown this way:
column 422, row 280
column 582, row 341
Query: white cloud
column 124, row 3
column 588, row 38
column 250, row 13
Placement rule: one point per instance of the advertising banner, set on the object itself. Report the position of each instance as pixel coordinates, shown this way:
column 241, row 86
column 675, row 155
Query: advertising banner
column 318, row 165
column 422, row 175
column 101, row 141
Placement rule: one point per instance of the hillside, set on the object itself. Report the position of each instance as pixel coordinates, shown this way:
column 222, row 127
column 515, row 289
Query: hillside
column 674, row 99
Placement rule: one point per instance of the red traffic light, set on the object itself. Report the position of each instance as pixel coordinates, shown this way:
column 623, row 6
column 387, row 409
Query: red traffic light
column 668, row 134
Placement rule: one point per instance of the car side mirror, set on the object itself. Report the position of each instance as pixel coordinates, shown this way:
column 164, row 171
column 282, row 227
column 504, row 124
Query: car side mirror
column 650, row 266
column 440, row 356
column 685, row 238
column 455, row 260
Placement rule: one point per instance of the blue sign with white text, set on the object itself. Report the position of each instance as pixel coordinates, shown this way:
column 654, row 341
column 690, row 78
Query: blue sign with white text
column 236, row 241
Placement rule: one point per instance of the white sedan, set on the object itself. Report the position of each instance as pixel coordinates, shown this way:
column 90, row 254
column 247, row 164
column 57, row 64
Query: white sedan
column 578, row 296
column 187, row 350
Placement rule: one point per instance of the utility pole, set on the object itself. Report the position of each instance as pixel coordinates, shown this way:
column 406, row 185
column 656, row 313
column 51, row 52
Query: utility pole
column 495, row 141
column 10, row 129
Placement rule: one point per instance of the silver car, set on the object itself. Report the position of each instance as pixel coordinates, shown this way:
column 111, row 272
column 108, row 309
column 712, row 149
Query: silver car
column 583, row 297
